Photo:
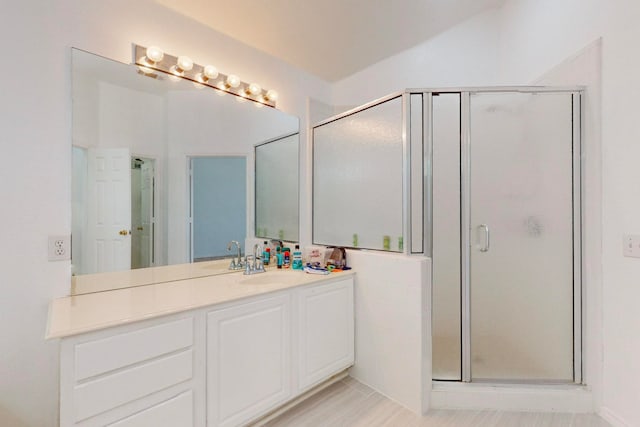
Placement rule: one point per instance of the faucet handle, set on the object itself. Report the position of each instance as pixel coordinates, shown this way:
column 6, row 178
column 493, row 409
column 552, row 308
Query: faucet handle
column 247, row 268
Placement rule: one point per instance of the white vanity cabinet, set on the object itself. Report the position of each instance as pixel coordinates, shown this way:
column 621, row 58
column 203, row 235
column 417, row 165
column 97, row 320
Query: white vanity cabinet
column 223, row 364
column 248, row 360
column 325, row 331
column 138, row 375
column 251, row 347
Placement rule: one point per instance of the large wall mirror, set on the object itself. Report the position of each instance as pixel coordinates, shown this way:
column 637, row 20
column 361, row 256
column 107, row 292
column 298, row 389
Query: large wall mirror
column 277, row 190
column 162, row 168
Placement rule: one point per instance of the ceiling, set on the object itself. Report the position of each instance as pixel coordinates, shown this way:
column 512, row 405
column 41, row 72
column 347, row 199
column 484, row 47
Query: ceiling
column 331, row 38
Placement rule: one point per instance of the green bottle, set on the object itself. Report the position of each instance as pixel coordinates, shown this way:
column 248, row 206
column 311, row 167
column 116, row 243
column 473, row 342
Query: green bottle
column 386, row 243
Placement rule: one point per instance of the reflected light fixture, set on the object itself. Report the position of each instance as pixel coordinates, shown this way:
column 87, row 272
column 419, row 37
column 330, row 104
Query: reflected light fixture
column 152, row 58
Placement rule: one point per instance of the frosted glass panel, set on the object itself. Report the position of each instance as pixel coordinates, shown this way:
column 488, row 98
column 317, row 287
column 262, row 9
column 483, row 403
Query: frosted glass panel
column 277, row 191
column 357, row 179
column 419, row 171
column 446, row 330
column 521, row 237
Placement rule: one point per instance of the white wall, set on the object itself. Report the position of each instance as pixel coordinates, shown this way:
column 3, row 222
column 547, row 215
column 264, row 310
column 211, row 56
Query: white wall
column 464, row 55
column 516, row 45
column 393, row 317
column 35, row 118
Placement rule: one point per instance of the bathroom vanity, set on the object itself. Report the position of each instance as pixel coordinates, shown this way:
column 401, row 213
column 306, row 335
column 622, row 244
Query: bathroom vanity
column 217, row 351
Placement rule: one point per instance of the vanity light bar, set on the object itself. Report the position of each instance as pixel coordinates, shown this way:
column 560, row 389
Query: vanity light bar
column 150, row 59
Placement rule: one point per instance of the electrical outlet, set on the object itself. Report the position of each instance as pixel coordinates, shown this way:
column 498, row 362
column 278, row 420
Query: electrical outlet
column 631, row 245
column 59, row 248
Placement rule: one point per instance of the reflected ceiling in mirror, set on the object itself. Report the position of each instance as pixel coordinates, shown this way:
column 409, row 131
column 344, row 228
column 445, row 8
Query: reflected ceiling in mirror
column 134, row 139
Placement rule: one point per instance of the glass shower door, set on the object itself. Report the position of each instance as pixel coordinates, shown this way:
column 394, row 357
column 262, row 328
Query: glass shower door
column 521, row 236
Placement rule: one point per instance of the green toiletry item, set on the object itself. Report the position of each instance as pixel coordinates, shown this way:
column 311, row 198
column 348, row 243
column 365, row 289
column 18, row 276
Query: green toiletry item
column 296, row 264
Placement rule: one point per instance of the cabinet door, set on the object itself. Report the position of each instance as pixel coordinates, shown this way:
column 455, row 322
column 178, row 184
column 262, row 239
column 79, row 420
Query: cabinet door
column 326, row 331
column 248, row 360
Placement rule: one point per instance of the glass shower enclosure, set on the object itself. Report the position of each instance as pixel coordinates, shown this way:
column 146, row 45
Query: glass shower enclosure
column 486, row 182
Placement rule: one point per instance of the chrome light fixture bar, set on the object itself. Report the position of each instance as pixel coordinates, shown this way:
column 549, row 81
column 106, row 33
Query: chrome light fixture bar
column 151, row 59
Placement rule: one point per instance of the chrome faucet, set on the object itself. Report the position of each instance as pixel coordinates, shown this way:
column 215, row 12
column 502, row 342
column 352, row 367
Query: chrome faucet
column 248, row 269
column 236, row 264
column 257, row 266
column 257, row 257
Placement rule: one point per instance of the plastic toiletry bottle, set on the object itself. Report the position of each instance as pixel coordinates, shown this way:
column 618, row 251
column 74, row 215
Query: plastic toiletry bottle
column 286, row 257
column 279, row 257
column 297, row 258
column 266, row 253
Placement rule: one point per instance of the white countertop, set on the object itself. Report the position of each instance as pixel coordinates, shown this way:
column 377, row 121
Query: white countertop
column 99, row 282
column 85, row 313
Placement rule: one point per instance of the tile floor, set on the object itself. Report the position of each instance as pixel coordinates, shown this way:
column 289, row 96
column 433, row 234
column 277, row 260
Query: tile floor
column 350, row 403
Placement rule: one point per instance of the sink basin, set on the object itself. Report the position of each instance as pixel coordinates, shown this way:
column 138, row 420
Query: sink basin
column 287, row 278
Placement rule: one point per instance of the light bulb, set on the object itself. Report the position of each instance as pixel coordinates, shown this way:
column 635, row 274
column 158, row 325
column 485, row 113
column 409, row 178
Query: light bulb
column 154, row 54
column 233, row 81
column 254, row 89
column 272, row 95
column 210, row 72
column 184, row 63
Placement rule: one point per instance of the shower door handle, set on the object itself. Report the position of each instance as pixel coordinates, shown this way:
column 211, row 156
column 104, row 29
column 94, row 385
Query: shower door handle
column 485, row 246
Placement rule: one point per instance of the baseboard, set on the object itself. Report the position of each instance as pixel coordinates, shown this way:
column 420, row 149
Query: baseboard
column 612, row 418
column 569, row 398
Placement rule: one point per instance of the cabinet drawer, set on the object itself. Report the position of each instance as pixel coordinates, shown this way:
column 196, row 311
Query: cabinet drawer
column 107, row 354
column 177, row 411
column 109, row 391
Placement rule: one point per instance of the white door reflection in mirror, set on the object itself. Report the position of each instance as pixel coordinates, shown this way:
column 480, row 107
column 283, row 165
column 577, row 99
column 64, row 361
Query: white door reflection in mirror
column 107, row 241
